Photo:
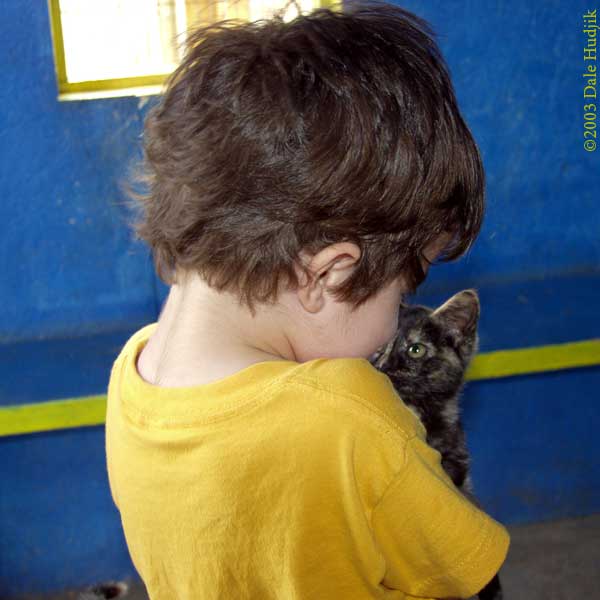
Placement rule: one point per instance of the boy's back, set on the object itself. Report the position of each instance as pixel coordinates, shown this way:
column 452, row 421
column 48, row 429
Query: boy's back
column 288, row 480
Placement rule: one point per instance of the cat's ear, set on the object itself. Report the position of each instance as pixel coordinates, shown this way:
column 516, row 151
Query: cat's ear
column 460, row 312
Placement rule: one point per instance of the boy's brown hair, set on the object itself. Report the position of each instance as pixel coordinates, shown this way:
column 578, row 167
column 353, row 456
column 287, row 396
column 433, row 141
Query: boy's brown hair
column 274, row 137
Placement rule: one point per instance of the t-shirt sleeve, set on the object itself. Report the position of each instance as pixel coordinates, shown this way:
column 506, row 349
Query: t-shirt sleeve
column 435, row 542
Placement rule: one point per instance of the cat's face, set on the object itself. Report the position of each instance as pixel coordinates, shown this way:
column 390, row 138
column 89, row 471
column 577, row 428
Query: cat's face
column 432, row 348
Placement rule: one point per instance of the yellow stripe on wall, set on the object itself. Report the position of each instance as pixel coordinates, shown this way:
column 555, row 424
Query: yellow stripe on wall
column 56, row 414
column 91, row 410
column 523, row 361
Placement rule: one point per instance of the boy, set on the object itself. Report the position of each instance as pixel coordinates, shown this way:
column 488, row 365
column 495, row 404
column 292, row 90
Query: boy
column 303, row 176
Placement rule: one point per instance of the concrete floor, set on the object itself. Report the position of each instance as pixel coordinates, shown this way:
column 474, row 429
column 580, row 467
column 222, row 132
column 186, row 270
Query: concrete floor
column 554, row 560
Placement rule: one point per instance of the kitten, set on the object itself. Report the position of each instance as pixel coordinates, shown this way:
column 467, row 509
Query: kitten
column 426, row 361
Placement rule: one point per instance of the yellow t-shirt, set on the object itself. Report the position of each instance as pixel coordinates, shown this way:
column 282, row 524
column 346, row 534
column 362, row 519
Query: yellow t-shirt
column 288, row 481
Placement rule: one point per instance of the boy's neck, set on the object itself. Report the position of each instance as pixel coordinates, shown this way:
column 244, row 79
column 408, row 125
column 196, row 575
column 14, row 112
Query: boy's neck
column 182, row 352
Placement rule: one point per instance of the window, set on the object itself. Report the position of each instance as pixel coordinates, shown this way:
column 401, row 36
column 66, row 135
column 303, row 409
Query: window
column 128, row 47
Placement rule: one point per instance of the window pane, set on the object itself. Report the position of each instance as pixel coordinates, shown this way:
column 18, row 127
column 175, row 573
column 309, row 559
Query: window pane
column 109, row 39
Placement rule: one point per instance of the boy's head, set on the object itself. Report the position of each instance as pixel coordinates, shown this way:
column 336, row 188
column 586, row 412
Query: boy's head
column 276, row 140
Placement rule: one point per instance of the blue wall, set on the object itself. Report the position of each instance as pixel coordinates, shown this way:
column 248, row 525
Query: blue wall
column 75, row 284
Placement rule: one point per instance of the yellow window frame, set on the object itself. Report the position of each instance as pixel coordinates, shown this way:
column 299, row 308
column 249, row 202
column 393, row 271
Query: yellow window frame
column 108, row 88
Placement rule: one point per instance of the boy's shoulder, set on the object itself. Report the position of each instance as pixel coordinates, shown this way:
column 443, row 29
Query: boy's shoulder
column 141, row 334
column 362, row 386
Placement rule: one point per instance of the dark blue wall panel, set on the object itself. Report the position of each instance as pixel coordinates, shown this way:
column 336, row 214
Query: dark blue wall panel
column 69, row 265
column 75, row 284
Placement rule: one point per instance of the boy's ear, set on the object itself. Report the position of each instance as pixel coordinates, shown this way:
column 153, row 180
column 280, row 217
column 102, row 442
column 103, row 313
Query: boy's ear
column 328, row 267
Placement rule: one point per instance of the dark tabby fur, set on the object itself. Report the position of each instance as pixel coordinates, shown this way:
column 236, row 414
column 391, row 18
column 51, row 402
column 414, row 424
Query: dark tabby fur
column 426, row 361
column 429, row 379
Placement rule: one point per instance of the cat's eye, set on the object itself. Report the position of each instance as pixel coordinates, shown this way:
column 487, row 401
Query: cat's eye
column 417, row 350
